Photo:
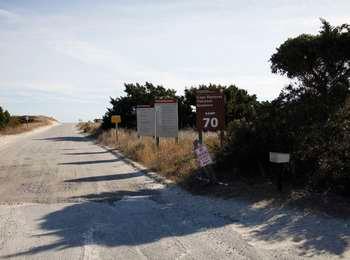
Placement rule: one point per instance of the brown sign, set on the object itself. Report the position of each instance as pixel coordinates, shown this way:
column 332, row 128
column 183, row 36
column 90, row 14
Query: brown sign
column 210, row 110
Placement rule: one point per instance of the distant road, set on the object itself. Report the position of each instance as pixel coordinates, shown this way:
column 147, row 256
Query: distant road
column 64, row 197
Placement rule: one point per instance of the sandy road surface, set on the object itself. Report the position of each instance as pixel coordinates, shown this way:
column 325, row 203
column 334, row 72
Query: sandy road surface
column 63, row 197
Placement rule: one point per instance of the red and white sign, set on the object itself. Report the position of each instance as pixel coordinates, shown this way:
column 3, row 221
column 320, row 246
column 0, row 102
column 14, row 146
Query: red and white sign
column 203, row 156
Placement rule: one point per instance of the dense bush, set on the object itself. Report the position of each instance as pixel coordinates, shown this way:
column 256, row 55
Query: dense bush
column 310, row 118
column 327, row 149
column 249, row 142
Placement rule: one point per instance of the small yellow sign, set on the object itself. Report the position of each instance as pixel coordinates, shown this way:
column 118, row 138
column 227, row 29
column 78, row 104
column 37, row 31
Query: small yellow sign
column 116, row 119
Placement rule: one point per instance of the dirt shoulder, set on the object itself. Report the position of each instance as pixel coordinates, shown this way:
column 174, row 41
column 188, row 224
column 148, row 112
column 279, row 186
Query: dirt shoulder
column 18, row 124
column 325, row 204
column 7, row 139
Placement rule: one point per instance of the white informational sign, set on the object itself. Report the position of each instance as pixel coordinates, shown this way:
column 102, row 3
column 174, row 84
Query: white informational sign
column 203, row 156
column 145, row 121
column 279, row 157
column 167, row 119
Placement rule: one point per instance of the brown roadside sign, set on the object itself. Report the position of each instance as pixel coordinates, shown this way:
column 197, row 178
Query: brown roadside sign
column 210, row 110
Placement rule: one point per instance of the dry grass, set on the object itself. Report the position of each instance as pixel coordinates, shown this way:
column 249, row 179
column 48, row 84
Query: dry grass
column 172, row 160
column 18, row 124
column 89, row 128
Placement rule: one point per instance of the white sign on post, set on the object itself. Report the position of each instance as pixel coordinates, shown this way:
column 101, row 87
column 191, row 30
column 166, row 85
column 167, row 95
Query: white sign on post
column 279, row 157
column 203, row 156
column 145, row 117
column 167, row 119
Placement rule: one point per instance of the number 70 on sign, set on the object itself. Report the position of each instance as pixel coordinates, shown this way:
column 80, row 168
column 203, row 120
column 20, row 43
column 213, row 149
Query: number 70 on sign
column 212, row 122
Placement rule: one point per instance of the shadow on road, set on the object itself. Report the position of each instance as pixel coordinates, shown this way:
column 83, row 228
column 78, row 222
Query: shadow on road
column 117, row 196
column 128, row 218
column 112, row 177
column 133, row 219
column 65, row 139
column 90, row 162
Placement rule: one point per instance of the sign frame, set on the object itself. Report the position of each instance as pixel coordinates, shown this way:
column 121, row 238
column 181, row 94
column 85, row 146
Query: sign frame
column 210, row 110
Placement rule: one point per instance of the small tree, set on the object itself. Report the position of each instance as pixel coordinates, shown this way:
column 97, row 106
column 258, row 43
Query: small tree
column 320, row 67
column 313, row 105
column 136, row 94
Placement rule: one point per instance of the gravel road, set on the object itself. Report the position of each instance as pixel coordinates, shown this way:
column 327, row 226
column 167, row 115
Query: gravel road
column 64, row 197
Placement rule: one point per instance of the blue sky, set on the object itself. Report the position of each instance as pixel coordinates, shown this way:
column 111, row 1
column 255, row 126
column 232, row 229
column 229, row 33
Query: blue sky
column 65, row 58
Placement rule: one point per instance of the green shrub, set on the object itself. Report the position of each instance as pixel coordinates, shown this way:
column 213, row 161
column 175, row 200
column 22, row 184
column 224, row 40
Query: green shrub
column 4, row 118
column 320, row 152
column 327, row 150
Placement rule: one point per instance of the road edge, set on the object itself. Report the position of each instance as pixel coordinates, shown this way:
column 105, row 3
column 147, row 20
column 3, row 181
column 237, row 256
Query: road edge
column 6, row 140
column 153, row 175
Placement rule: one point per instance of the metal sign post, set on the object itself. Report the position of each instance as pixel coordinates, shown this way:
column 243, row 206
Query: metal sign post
column 280, row 159
column 116, row 133
column 200, row 136
column 155, row 126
